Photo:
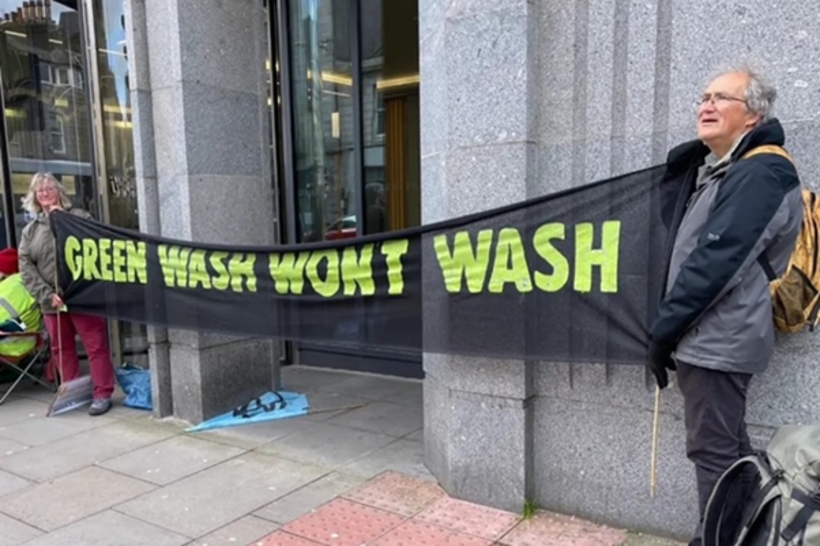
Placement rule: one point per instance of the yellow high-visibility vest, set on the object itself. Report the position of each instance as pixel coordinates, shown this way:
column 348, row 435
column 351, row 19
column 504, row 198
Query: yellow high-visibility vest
column 16, row 302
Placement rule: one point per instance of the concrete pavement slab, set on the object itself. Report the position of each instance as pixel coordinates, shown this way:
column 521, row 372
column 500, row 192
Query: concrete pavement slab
column 417, row 436
column 40, row 394
column 211, row 499
column 323, row 401
column 9, row 483
column 14, row 533
column 255, row 435
column 108, row 528
column 370, row 387
column 38, row 431
column 560, row 530
column 172, row 459
column 10, row 447
column 20, row 410
column 238, row 533
column 86, row 448
column 308, row 498
column 52, row 505
column 382, row 418
column 327, row 445
column 118, row 411
column 412, row 395
column 402, row 456
column 280, row 538
column 301, row 378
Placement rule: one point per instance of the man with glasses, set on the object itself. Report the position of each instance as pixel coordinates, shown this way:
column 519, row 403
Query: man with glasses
column 714, row 324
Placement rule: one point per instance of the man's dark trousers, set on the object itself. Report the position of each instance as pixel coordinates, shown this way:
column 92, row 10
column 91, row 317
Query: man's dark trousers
column 715, row 419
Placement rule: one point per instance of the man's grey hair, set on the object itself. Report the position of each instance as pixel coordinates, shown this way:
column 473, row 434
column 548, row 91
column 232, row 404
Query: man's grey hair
column 760, row 93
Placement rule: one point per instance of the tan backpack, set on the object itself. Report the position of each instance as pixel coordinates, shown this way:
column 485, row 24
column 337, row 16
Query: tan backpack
column 796, row 294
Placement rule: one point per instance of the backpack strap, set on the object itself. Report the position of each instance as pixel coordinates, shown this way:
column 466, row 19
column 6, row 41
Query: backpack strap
column 811, row 504
column 713, row 515
column 768, row 149
column 763, row 260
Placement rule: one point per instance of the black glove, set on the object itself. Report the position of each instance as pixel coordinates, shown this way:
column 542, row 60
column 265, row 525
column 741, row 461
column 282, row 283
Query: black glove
column 659, row 359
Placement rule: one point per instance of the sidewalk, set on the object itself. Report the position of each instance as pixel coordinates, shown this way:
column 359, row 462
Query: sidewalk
column 334, row 479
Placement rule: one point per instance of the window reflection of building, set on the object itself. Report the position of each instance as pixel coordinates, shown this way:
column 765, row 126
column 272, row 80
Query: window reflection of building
column 325, row 141
column 323, row 133
column 49, row 117
column 390, row 108
column 46, row 108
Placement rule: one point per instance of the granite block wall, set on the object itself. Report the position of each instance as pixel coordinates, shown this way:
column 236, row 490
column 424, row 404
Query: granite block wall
column 522, row 98
column 203, row 165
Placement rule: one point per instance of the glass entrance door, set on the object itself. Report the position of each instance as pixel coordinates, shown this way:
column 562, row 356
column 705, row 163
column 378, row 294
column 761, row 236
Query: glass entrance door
column 350, row 89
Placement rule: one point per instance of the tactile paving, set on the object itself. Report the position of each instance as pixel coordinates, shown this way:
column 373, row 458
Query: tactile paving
column 559, row 530
column 283, row 539
column 344, row 523
column 418, row 533
column 468, row 518
column 397, row 493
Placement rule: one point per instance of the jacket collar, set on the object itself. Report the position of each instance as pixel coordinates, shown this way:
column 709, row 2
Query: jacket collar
column 694, row 153
column 769, row 132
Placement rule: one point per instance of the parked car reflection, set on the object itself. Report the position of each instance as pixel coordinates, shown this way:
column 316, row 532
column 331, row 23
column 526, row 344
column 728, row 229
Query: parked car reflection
column 345, row 228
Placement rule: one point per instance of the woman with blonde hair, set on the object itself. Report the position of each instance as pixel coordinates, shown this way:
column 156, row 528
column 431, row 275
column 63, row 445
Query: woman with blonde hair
column 38, row 265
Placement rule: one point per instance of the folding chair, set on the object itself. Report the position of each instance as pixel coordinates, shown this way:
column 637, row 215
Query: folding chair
column 25, row 365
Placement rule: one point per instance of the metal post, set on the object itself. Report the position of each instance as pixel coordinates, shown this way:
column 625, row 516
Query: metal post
column 358, row 136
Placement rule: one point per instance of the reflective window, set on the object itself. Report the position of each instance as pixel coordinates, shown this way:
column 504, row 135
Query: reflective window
column 117, row 140
column 321, row 51
column 390, row 111
column 45, row 106
column 322, row 89
column 117, row 129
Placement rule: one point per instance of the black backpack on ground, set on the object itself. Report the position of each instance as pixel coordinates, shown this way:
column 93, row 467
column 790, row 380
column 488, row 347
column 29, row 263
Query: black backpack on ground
column 771, row 498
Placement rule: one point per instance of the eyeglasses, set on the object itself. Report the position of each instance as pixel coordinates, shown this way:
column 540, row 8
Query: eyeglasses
column 716, row 99
column 46, row 189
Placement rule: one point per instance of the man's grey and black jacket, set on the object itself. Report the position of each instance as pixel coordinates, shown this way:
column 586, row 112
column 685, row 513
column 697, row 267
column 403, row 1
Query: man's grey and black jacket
column 717, row 311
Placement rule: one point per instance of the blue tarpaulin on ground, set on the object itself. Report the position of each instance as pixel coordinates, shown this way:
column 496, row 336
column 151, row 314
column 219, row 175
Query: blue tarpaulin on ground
column 268, row 407
column 136, row 384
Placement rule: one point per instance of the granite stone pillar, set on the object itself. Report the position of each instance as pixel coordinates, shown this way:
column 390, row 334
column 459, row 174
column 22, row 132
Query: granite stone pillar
column 479, row 122
column 204, row 175
column 142, row 112
column 522, row 98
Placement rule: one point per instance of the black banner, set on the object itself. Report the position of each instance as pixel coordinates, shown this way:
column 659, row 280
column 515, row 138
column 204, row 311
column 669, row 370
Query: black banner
column 572, row 276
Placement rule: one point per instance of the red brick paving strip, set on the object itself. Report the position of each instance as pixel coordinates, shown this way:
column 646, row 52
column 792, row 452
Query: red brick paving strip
column 344, row 523
column 418, row 533
column 468, row 518
column 397, row 493
column 558, row 530
column 375, row 515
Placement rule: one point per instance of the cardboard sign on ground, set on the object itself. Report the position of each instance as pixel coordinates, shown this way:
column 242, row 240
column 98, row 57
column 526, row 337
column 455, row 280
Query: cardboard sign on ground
column 72, row 395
